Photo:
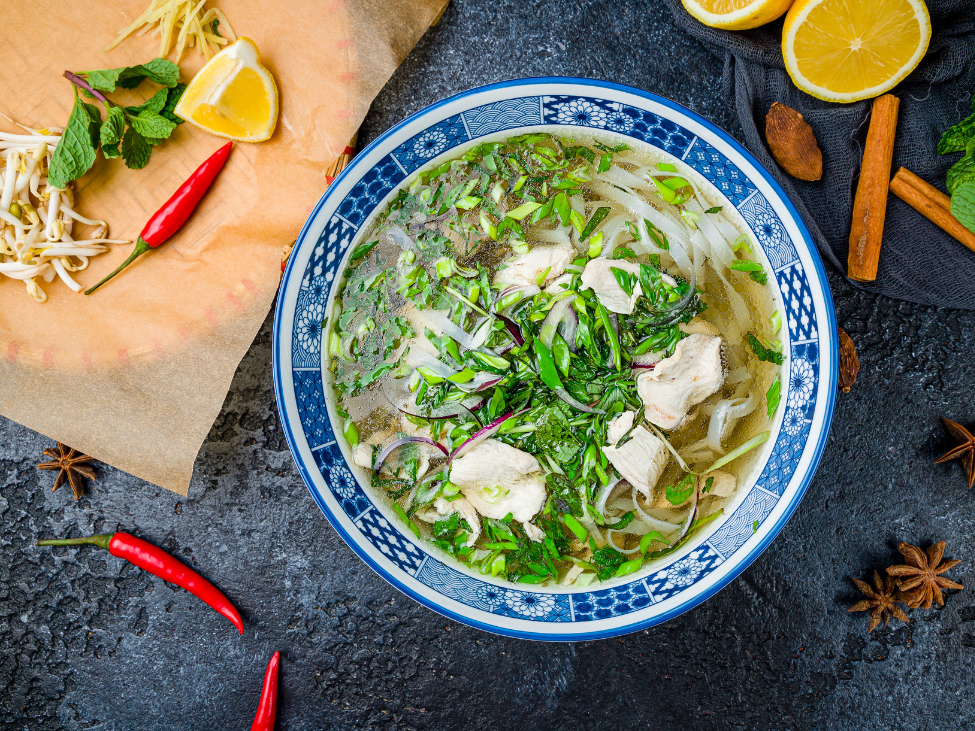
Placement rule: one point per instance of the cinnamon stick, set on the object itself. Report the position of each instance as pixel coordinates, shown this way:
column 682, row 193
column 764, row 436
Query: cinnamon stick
column 930, row 203
column 870, row 204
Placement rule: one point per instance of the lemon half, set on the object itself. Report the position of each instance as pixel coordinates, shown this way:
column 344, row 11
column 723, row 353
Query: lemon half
column 847, row 50
column 736, row 14
column 233, row 96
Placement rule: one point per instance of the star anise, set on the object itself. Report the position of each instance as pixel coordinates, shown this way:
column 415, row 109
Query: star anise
column 922, row 582
column 965, row 451
column 72, row 466
column 881, row 601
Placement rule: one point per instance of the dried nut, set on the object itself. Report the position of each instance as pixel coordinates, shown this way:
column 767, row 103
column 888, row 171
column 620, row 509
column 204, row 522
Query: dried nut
column 849, row 362
column 793, row 144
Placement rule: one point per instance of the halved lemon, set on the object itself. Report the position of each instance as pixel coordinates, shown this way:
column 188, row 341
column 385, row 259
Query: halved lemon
column 233, row 96
column 847, row 50
column 736, row 14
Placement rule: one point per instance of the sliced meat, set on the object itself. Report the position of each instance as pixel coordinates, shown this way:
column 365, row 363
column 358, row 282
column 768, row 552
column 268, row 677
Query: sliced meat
column 533, row 532
column 641, row 459
column 598, row 277
column 679, row 382
column 724, row 484
column 526, row 268
column 498, row 479
column 443, row 508
column 560, row 284
column 698, row 326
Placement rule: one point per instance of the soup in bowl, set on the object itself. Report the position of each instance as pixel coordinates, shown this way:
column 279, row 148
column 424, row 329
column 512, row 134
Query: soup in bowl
column 556, row 358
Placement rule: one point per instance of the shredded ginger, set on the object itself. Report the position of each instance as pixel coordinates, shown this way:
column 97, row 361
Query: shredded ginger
column 185, row 22
column 37, row 220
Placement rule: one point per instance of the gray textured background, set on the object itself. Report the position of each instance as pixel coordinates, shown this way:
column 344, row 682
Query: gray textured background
column 89, row 642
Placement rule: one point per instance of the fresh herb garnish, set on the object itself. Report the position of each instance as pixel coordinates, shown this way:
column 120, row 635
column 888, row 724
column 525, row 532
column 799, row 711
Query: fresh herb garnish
column 772, row 396
column 763, row 352
column 961, row 177
column 129, row 132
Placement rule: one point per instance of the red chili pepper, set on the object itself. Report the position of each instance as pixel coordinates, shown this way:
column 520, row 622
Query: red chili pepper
column 267, row 709
column 157, row 561
column 174, row 213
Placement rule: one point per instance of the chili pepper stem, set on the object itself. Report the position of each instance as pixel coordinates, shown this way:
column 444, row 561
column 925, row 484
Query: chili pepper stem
column 101, row 541
column 141, row 247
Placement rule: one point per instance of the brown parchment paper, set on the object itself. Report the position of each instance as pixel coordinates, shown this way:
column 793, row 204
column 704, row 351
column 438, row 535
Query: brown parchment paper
column 136, row 373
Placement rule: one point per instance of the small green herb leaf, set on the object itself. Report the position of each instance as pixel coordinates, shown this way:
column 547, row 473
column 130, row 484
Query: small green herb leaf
column 163, row 72
column 135, row 149
column 111, row 131
column 75, row 153
column 961, row 172
column 171, row 101
column 716, row 209
column 150, row 124
column 764, row 353
column 963, row 205
column 957, row 137
column 596, row 219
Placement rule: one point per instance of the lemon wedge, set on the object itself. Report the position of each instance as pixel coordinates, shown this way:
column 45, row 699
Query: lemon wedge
column 736, row 14
column 847, row 50
column 232, row 96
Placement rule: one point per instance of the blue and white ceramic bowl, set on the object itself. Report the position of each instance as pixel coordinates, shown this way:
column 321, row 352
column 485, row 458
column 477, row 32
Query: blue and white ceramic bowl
column 764, row 504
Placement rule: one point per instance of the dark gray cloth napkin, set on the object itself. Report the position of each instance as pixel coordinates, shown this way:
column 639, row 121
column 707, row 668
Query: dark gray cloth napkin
column 918, row 262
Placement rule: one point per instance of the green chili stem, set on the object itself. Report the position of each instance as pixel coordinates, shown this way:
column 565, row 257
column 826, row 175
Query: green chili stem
column 101, row 541
column 141, row 247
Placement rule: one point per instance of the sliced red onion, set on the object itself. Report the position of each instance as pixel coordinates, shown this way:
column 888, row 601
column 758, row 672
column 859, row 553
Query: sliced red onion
column 575, row 403
column 401, row 238
column 568, row 328
column 417, row 357
column 482, row 434
column 512, row 330
column 551, row 323
column 489, row 380
column 646, row 360
column 690, row 515
column 448, row 327
column 529, row 291
column 393, row 446
column 402, row 399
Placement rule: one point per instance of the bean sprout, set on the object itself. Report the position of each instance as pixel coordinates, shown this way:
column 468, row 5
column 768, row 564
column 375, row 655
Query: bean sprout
column 36, row 219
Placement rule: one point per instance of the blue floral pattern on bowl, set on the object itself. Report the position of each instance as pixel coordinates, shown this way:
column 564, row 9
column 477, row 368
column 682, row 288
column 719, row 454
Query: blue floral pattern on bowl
column 671, row 586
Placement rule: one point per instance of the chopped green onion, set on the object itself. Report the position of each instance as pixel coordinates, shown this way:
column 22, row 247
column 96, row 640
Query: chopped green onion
column 716, row 209
column 523, row 210
column 596, row 219
column 743, row 242
column 775, row 321
column 575, row 526
column 595, row 245
column 651, row 537
column 406, row 519
column 735, row 454
column 772, row 396
column 743, row 265
column 666, row 167
column 629, row 567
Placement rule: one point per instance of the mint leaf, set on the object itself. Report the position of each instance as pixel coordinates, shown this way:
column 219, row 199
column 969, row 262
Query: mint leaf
column 135, row 149
column 957, row 137
column 150, row 124
column 963, row 205
column 961, row 172
column 159, row 70
column 163, row 72
column 102, row 79
column 155, row 103
column 110, row 151
column 172, row 100
column 111, row 131
column 75, row 153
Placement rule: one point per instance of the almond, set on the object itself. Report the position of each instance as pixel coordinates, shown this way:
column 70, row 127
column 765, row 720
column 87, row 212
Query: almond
column 793, row 144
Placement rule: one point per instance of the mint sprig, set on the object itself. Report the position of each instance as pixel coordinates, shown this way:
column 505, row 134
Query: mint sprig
column 961, row 177
column 129, row 132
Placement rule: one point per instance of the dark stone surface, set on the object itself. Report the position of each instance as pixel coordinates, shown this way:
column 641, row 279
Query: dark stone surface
column 89, row 642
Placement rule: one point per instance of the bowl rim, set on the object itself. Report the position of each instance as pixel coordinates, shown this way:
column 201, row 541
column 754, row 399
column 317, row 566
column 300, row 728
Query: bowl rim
column 827, row 332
